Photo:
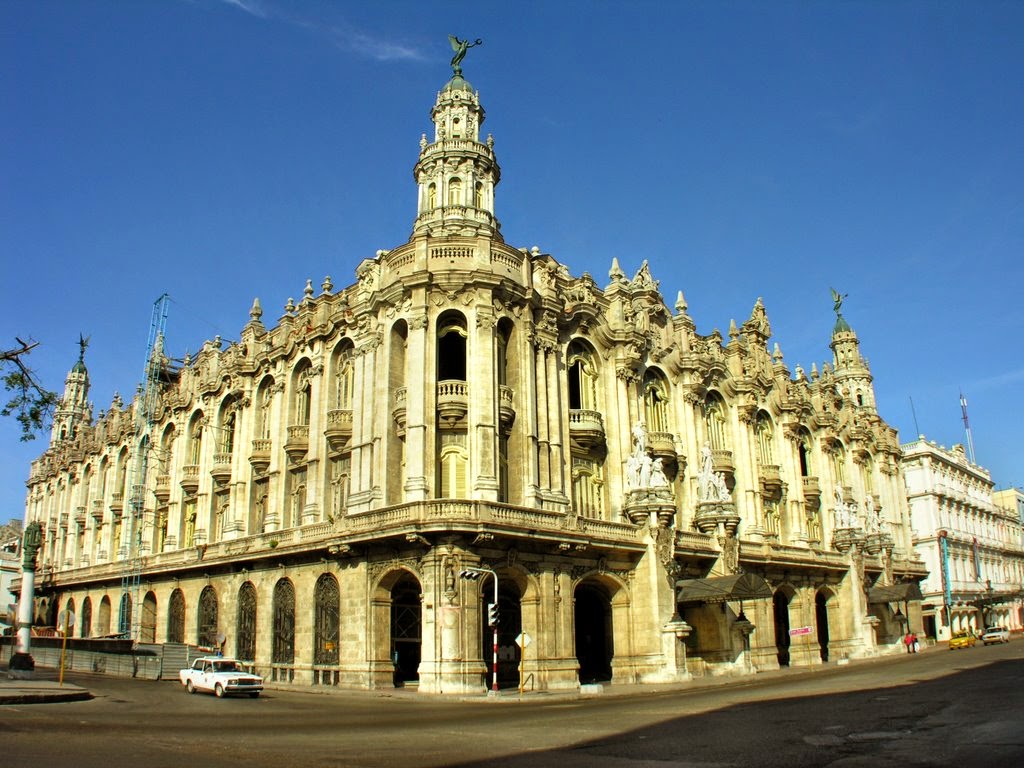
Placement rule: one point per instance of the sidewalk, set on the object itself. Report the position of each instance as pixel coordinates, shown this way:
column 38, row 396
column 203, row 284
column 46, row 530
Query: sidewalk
column 43, row 688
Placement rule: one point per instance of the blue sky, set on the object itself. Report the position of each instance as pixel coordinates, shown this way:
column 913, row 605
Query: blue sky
column 218, row 150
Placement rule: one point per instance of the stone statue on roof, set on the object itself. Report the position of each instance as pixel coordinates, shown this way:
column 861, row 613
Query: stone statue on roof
column 837, row 301
column 460, row 47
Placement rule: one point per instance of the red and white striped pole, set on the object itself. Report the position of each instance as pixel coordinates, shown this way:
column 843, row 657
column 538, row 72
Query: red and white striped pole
column 494, row 672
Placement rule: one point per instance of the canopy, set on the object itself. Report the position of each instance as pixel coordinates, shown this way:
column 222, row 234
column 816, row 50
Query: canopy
column 895, row 593
column 721, row 589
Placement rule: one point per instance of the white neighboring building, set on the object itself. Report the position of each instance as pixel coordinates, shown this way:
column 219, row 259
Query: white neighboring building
column 10, row 572
column 971, row 546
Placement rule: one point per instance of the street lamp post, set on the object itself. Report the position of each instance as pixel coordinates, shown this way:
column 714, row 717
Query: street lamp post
column 473, row 574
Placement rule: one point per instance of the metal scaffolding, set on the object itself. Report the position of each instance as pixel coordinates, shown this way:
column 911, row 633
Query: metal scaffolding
column 133, row 546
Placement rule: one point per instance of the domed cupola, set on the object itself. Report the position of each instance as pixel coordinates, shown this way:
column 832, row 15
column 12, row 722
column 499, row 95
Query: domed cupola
column 73, row 409
column 456, row 173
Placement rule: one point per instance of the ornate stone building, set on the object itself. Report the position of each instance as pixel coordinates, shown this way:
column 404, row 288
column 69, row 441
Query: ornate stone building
column 971, row 544
column 656, row 503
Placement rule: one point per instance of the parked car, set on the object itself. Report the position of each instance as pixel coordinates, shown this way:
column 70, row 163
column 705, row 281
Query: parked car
column 962, row 640
column 996, row 635
column 220, row 676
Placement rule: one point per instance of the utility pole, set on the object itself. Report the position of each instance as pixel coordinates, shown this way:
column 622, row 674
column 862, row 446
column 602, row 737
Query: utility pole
column 473, row 574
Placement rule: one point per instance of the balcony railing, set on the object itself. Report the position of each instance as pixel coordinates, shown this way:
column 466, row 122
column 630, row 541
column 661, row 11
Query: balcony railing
column 339, row 428
column 190, row 478
column 221, row 470
column 297, row 443
column 260, row 456
column 452, row 401
column 586, row 427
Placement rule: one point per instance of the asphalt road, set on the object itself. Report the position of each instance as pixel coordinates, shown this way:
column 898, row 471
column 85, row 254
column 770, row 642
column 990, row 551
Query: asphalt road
column 940, row 708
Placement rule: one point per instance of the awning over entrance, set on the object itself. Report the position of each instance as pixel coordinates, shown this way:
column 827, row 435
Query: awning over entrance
column 895, row 593
column 721, row 589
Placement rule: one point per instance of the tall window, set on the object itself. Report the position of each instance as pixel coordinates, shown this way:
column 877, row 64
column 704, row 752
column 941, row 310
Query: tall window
column 303, row 396
column 229, row 420
column 195, row 439
column 264, row 402
column 587, row 487
column 432, row 196
column 455, row 191
column 176, row 617
column 714, row 421
column 765, row 436
column 454, row 465
column 283, row 650
column 207, row 617
column 451, row 349
column 245, row 642
column 478, row 195
column 341, row 471
column 326, row 620
column 655, row 391
column 582, row 377
column 867, row 475
column 344, row 378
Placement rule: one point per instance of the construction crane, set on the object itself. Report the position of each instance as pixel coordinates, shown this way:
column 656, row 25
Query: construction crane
column 146, row 399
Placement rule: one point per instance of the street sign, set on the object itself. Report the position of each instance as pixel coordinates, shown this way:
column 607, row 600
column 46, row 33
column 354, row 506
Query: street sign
column 800, row 631
column 66, row 618
column 523, row 640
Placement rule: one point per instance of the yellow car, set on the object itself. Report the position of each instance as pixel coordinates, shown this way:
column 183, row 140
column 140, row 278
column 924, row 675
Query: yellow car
column 962, row 640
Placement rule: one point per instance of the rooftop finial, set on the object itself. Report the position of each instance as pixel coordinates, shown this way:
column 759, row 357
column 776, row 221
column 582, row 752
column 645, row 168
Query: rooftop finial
column 460, row 47
column 83, row 342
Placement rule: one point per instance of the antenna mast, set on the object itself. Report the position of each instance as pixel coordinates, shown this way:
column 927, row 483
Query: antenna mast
column 967, row 427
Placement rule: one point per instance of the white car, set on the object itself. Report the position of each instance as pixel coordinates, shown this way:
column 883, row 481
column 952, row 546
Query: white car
column 996, row 635
column 220, row 676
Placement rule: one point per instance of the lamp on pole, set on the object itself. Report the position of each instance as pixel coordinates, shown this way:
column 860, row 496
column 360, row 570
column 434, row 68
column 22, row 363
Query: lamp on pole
column 473, row 574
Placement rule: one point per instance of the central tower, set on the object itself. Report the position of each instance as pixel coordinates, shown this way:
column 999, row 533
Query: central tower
column 456, row 174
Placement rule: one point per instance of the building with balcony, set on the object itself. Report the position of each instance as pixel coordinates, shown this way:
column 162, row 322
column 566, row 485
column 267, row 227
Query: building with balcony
column 971, row 546
column 655, row 503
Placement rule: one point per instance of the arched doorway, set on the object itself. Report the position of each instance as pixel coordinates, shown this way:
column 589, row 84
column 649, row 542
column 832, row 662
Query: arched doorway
column 85, row 622
column 406, row 629
column 592, row 613
column 821, row 619
column 176, row 617
column 207, row 616
column 510, row 625
column 124, row 622
column 780, row 610
column 245, row 626
column 103, row 627
column 147, row 627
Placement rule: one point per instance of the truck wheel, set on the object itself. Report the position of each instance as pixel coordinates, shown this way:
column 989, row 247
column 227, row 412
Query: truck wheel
column 219, row 690
column 254, row 695
column 189, row 687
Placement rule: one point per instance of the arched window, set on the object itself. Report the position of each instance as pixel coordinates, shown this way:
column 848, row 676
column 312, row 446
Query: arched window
column 195, row 438
column 765, row 436
column 839, row 465
column 207, row 625
column 453, row 466
column 478, row 195
column 303, row 398
column 176, row 617
column 228, row 424
column 451, row 348
column 85, row 622
column 582, row 377
column 103, row 626
column 432, row 196
column 264, row 403
column 245, row 632
column 714, row 421
column 455, row 191
column 655, row 392
column 124, row 620
column 344, row 378
column 166, row 450
column 587, row 487
column 326, row 620
column 283, row 651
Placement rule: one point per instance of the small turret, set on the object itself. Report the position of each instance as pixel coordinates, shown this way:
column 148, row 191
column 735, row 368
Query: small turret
column 74, row 409
column 852, row 375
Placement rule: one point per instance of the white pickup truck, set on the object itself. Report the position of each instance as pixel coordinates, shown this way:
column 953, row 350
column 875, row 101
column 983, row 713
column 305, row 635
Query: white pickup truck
column 220, row 676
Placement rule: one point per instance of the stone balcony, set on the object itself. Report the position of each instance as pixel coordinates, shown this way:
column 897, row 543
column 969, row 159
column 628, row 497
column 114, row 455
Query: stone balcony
column 221, row 469
column 117, row 503
column 586, row 428
column 399, row 413
column 97, row 510
column 297, row 444
column 506, row 411
column 812, row 491
column 662, row 445
column 770, row 478
column 260, row 456
column 452, row 402
column 163, row 488
column 339, row 428
column 190, row 478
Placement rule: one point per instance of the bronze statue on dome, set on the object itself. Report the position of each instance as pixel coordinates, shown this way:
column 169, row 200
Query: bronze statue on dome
column 460, row 47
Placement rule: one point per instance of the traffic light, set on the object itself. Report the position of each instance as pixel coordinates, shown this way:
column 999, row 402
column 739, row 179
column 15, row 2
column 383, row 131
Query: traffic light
column 470, row 575
column 492, row 615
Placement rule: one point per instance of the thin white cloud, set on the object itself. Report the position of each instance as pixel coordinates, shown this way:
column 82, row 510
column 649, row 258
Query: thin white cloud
column 999, row 380
column 342, row 35
column 252, row 7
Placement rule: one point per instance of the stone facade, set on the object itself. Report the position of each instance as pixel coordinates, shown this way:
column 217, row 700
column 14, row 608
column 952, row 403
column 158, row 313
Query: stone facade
column 971, row 546
column 310, row 496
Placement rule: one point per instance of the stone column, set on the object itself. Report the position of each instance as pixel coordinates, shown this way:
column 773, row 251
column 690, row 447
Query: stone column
column 22, row 664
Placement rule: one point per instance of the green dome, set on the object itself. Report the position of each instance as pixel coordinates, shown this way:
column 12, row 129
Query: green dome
column 841, row 325
column 79, row 367
column 457, row 83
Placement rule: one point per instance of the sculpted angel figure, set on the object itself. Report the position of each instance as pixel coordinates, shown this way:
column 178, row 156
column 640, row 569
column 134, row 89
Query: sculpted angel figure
column 837, row 300
column 460, row 47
